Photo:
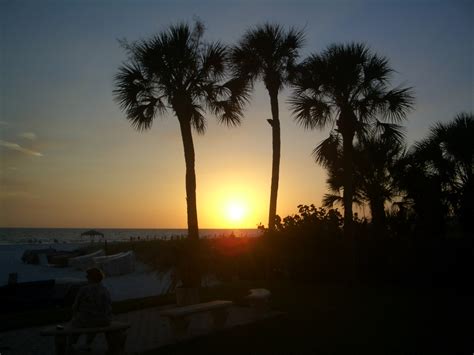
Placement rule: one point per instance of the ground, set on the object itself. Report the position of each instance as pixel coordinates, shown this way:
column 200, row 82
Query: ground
column 336, row 319
column 317, row 319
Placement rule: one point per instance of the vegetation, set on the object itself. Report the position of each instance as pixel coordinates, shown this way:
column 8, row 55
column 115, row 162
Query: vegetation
column 177, row 71
column 437, row 177
column 376, row 154
column 327, row 271
column 420, row 199
column 269, row 53
column 347, row 85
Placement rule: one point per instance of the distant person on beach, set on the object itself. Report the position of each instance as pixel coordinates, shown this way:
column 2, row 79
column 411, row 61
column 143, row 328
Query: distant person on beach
column 93, row 306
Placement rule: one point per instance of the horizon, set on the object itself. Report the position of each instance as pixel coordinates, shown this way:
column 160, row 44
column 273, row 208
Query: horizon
column 69, row 157
column 144, row 228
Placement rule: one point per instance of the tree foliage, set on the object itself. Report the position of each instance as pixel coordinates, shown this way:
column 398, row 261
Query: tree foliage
column 268, row 53
column 347, row 87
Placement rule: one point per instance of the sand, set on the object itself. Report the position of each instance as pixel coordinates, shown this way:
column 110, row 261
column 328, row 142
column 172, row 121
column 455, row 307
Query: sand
column 141, row 283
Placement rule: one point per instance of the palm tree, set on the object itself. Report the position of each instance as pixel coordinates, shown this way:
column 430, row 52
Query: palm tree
column 445, row 163
column 422, row 193
column 176, row 71
column 347, row 86
column 457, row 144
column 377, row 152
column 268, row 53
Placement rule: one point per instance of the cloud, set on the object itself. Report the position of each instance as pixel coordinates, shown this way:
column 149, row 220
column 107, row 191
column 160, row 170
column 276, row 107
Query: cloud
column 18, row 194
column 28, row 135
column 19, row 148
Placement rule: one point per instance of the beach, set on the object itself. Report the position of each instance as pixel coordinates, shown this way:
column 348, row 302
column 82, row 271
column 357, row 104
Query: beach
column 143, row 282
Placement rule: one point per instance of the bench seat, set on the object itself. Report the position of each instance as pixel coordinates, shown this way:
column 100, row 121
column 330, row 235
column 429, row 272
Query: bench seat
column 195, row 308
column 115, row 334
column 259, row 299
column 180, row 316
column 70, row 330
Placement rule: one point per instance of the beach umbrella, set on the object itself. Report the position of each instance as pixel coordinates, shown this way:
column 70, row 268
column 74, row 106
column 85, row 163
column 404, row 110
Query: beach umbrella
column 92, row 233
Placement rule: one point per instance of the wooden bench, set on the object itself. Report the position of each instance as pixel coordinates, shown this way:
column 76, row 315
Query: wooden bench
column 259, row 299
column 115, row 333
column 179, row 317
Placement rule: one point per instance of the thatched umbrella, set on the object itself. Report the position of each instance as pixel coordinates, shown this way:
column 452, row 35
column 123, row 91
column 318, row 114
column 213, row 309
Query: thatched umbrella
column 92, row 233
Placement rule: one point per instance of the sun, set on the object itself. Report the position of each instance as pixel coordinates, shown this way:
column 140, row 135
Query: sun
column 235, row 211
column 232, row 206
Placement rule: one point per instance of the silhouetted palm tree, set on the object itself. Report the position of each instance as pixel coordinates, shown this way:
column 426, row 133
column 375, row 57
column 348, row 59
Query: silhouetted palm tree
column 176, row 71
column 347, row 86
column 423, row 193
column 444, row 162
column 268, row 53
column 376, row 153
column 456, row 140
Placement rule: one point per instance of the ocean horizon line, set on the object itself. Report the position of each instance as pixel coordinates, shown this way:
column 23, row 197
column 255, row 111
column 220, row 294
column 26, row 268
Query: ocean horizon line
column 28, row 235
column 133, row 228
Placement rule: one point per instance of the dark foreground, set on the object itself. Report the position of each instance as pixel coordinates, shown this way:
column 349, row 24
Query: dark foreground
column 320, row 318
column 335, row 319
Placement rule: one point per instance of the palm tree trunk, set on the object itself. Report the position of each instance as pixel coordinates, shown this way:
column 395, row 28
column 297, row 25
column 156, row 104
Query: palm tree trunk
column 276, row 145
column 190, row 273
column 187, row 137
column 377, row 211
column 348, row 148
column 466, row 210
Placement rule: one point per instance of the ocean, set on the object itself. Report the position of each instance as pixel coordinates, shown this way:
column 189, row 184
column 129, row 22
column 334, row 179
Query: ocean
column 73, row 235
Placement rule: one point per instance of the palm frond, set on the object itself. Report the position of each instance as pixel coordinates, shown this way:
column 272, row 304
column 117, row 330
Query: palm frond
column 228, row 100
column 243, row 65
column 198, row 122
column 267, row 52
column 136, row 97
column 349, row 77
column 389, row 132
column 328, row 152
column 177, row 69
column 396, row 103
column 213, row 60
column 309, row 111
column 459, row 142
column 329, row 200
column 376, row 68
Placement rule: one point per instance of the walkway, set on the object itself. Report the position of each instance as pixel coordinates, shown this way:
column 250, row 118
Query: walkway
column 148, row 331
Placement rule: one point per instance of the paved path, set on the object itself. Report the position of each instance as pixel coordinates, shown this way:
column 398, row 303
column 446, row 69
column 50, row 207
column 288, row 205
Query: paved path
column 148, row 331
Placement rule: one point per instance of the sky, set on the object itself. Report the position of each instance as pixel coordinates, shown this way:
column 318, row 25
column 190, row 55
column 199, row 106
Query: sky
column 69, row 158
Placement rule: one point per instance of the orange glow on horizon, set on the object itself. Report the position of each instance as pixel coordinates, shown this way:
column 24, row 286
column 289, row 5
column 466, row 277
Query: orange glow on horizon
column 234, row 205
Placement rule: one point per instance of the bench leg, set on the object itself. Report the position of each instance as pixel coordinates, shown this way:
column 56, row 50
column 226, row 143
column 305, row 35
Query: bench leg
column 219, row 317
column 60, row 344
column 179, row 326
column 116, row 342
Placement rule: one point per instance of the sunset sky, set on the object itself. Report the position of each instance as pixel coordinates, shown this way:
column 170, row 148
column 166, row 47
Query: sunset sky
column 69, row 158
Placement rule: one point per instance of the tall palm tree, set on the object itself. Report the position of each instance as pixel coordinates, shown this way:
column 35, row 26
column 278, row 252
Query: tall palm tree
column 347, row 86
column 268, row 53
column 176, row 71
